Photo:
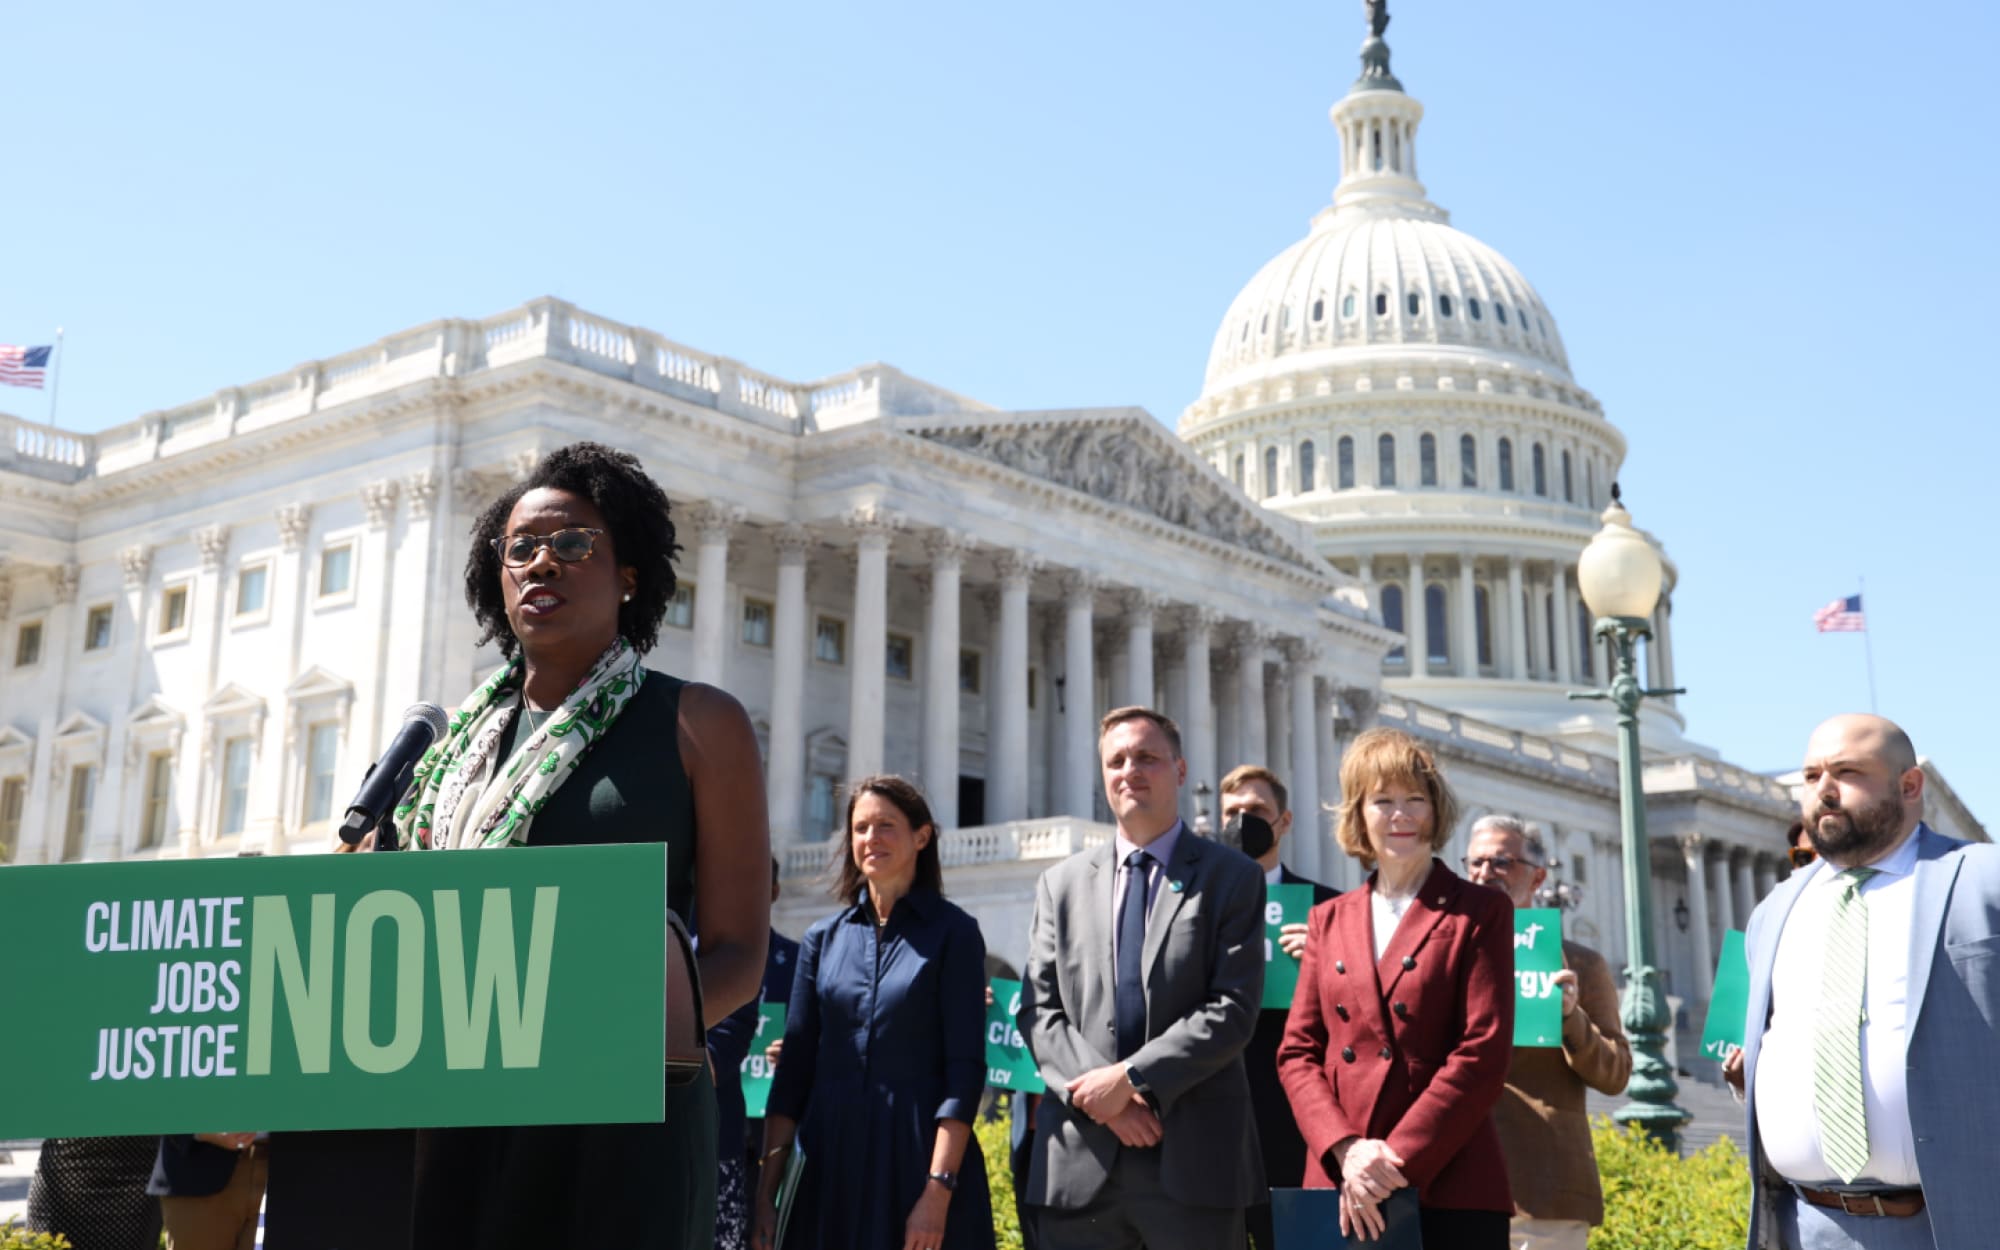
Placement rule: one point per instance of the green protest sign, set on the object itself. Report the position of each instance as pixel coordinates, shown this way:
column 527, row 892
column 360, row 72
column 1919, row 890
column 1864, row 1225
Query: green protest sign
column 1729, row 1004
column 327, row 992
column 1538, row 956
column 1008, row 1063
column 756, row 1069
column 1283, row 905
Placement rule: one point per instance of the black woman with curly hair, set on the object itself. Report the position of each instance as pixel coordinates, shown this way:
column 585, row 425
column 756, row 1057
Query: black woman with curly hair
column 575, row 741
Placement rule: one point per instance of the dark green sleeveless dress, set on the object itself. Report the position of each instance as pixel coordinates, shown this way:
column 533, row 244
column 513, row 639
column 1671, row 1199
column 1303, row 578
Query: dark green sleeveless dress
column 535, row 1186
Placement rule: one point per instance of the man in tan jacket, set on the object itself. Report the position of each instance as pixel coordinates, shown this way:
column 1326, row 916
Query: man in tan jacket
column 1543, row 1128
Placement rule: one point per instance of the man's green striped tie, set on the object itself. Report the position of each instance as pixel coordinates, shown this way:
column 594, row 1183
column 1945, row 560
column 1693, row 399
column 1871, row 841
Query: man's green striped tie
column 1843, row 1120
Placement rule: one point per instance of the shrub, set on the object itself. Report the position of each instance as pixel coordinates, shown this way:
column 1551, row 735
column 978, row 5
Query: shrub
column 994, row 1144
column 1655, row 1201
column 15, row 1237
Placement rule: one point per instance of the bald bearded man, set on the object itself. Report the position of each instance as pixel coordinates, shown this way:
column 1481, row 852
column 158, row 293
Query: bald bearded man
column 1874, row 1016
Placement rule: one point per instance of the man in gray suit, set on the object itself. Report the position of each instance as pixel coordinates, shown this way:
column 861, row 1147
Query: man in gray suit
column 1145, row 968
column 1874, row 1016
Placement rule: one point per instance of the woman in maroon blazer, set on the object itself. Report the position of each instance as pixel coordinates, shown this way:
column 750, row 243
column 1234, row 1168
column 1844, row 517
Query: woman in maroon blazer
column 1399, row 1038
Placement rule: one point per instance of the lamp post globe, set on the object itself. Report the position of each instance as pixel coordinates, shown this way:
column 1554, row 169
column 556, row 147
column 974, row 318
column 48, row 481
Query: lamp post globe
column 1619, row 572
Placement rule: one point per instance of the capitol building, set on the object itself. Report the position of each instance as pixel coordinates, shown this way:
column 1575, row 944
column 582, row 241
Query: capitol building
column 213, row 616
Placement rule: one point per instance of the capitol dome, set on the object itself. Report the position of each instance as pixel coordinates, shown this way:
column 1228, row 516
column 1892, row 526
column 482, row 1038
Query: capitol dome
column 1399, row 387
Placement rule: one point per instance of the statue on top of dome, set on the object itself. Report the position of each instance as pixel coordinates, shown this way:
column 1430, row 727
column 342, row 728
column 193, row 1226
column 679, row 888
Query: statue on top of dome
column 1378, row 16
column 1375, row 75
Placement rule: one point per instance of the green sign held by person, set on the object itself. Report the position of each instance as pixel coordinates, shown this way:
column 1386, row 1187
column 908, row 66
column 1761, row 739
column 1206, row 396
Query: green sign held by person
column 1538, row 956
column 1009, row 1065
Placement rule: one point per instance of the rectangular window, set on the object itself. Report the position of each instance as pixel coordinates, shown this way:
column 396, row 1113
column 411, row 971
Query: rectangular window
column 159, row 794
column 235, row 784
column 97, row 628
column 173, row 609
column 830, row 640
column 820, row 817
column 968, row 672
column 28, row 645
column 82, row 790
column 252, row 584
column 322, row 753
column 756, row 623
column 901, row 657
column 336, row 570
column 1034, row 680
column 680, row 608
column 13, row 797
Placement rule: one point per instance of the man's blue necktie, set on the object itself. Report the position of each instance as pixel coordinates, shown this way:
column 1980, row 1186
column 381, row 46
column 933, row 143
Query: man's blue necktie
column 1131, row 999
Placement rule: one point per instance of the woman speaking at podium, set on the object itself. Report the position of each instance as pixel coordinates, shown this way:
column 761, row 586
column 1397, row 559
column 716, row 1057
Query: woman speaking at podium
column 575, row 741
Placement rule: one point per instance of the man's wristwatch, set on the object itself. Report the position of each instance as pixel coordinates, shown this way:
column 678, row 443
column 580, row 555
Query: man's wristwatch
column 947, row 1179
column 1138, row 1082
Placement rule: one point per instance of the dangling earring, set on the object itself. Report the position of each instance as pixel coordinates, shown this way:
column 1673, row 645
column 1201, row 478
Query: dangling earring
column 628, row 596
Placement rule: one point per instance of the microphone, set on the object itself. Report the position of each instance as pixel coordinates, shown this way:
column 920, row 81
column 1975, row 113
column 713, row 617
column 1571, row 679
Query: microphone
column 387, row 778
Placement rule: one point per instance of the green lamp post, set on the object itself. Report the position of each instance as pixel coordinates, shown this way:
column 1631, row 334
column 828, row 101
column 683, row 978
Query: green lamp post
column 1619, row 575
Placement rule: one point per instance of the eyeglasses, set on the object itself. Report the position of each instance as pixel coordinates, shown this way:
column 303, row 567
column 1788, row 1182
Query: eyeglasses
column 1498, row 863
column 1803, row 855
column 570, row 546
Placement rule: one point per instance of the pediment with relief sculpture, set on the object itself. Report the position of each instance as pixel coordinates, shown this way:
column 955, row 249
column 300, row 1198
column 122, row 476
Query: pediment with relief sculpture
column 1125, row 457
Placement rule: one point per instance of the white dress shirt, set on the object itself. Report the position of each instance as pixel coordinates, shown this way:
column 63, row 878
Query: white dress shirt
column 1276, row 876
column 1786, row 1121
column 1386, row 916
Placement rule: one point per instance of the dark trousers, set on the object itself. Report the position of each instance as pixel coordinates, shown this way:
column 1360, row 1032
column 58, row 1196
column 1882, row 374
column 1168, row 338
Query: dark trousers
column 1134, row 1212
column 1257, row 1222
column 1464, row 1230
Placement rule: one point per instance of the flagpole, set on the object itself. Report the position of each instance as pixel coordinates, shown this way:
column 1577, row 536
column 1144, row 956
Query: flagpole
column 55, row 378
column 1867, row 647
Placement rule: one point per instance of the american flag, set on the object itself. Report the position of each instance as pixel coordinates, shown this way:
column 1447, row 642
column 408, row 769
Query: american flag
column 1842, row 616
column 23, row 366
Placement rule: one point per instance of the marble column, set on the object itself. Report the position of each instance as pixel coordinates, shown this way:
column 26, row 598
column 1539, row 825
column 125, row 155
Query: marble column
column 1140, row 609
column 713, row 523
column 1250, row 712
column 1663, row 642
column 1301, row 664
column 117, row 831
column 1517, row 622
column 941, row 644
column 205, row 615
column 1697, row 897
column 1767, row 877
column 1719, row 895
column 1746, row 886
column 791, row 641
column 1416, row 609
column 1080, row 764
column 1468, row 616
column 868, row 659
column 1540, row 667
column 1337, row 869
column 1566, row 668
column 288, row 618
column 1228, row 711
column 1197, row 715
column 1007, row 739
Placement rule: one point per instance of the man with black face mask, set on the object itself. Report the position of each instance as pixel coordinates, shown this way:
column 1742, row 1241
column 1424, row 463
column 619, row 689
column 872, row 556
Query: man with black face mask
column 1256, row 816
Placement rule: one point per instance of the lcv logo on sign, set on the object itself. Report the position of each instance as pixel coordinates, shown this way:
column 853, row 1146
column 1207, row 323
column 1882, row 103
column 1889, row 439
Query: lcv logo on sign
column 369, row 991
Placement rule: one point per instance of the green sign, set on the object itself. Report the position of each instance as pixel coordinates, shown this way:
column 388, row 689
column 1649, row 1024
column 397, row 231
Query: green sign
column 1283, row 905
column 1729, row 1004
column 329, row 992
column 1538, row 956
column 756, row 1069
column 1008, row 1063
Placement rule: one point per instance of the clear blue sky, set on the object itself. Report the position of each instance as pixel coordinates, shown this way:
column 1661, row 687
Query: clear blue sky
column 1766, row 231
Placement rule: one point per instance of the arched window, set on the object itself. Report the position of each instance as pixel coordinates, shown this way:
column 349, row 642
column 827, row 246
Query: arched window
column 1385, row 460
column 1392, row 619
column 1590, row 482
column 1506, row 464
column 1414, row 302
column 1482, row 625
column 1347, row 304
column 1549, row 616
column 1319, row 308
column 1245, row 336
column 1444, row 305
column 1472, row 306
column 1427, row 460
column 1437, row 630
column 1237, row 474
column 1344, row 453
column 1569, row 483
column 1381, row 303
column 1264, row 327
column 1586, row 648
column 1500, row 311
column 1270, row 471
column 1306, row 467
column 1541, row 471
column 1378, row 147
column 1468, row 461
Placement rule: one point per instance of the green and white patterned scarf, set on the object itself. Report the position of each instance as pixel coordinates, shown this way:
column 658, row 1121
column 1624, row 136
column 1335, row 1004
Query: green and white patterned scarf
column 462, row 795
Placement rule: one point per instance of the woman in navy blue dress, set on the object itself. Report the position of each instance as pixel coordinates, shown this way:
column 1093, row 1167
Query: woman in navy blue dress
column 885, row 1052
